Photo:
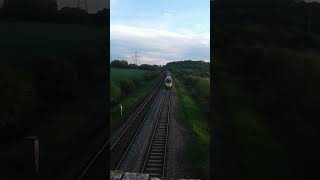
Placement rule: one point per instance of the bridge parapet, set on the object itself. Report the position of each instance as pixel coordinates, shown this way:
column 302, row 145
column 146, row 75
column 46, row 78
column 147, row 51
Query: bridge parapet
column 120, row 175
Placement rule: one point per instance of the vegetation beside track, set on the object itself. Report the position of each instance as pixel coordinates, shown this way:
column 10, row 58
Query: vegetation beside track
column 191, row 79
column 266, row 90
column 128, row 87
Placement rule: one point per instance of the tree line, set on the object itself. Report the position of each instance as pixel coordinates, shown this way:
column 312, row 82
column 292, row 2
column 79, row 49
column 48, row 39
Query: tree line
column 296, row 14
column 47, row 10
column 265, row 89
column 124, row 64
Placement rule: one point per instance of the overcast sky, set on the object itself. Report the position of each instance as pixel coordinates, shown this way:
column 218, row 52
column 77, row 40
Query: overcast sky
column 93, row 5
column 161, row 31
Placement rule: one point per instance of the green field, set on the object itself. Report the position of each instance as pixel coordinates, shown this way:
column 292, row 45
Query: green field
column 117, row 74
column 138, row 84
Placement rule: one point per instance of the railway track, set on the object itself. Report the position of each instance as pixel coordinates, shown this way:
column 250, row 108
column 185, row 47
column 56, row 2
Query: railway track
column 155, row 160
column 120, row 148
column 119, row 145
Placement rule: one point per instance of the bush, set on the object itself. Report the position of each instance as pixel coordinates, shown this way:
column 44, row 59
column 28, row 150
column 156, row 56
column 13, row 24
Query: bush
column 115, row 92
column 149, row 76
column 18, row 102
column 126, row 86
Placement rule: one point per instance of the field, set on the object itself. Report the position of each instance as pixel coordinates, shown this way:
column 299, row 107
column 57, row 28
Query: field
column 193, row 87
column 128, row 87
column 118, row 74
column 53, row 77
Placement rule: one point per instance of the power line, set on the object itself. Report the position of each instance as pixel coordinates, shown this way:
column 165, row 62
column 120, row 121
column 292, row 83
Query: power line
column 136, row 57
column 82, row 4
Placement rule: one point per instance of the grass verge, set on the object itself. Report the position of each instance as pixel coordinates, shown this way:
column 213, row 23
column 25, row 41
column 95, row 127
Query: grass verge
column 128, row 100
column 194, row 117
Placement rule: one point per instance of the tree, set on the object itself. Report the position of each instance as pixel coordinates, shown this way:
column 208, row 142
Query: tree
column 29, row 7
column 119, row 63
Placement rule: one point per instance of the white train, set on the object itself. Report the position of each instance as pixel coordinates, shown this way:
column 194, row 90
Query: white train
column 168, row 82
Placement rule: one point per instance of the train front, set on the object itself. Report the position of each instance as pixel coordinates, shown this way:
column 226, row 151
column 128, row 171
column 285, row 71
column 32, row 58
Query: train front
column 168, row 82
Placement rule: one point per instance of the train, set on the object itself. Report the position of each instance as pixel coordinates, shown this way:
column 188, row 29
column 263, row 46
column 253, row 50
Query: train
column 168, row 82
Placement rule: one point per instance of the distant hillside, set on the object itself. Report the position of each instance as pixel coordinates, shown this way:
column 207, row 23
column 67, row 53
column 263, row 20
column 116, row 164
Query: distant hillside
column 198, row 68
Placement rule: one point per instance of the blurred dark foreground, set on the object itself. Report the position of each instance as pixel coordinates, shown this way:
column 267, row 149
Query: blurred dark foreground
column 53, row 85
column 266, row 89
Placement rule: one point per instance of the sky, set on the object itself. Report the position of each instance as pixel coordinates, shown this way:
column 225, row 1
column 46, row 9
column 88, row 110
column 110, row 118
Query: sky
column 161, row 31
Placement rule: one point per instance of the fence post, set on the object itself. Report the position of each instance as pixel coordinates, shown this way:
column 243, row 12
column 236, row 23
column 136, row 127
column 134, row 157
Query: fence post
column 36, row 152
column 121, row 110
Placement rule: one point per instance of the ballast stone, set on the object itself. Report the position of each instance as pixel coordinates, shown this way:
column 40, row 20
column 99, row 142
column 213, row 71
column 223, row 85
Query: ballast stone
column 135, row 176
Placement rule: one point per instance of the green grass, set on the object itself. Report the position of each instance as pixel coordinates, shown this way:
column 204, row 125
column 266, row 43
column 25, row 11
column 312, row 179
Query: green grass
column 129, row 102
column 117, row 74
column 257, row 153
column 197, row 122
column 193, row 87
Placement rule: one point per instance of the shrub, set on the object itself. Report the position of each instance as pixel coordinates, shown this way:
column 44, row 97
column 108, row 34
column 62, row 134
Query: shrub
column 149, row 76
column 115, row 92
column 18, row 102
column 126, row 86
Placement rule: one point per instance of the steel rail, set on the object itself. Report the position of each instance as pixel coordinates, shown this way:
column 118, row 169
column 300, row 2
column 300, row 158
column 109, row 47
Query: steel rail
column 133, row 118
column 155, row 159
column 137, row 132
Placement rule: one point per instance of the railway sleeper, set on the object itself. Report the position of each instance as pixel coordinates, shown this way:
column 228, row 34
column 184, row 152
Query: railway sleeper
column 159, row 137
column 153, row 174
column 162, row 125
column 154, row 165
column 154, row 169
column 154, row 157
column 159, row 141
column 157, row 151
column 161, row 132
column 155, row 160
column 158, row 144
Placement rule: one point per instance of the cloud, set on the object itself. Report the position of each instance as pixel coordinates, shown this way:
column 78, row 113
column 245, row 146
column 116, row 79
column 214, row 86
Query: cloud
column 158, row 45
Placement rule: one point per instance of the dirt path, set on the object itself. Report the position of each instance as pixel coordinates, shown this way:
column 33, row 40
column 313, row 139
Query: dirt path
column 179, row 165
